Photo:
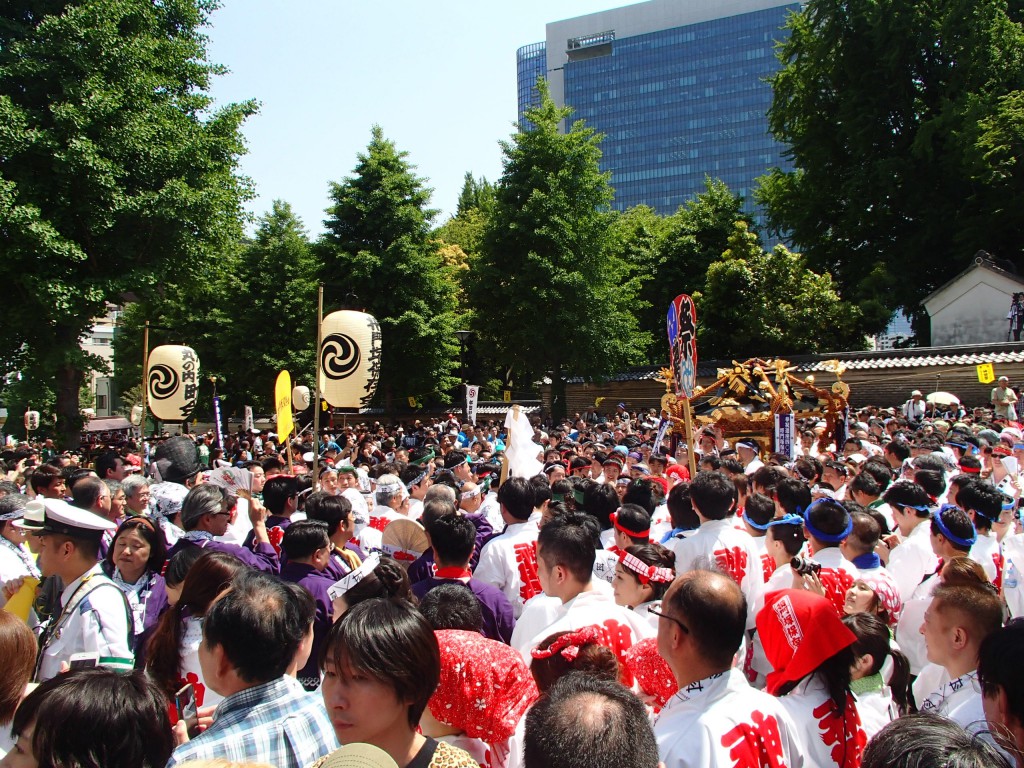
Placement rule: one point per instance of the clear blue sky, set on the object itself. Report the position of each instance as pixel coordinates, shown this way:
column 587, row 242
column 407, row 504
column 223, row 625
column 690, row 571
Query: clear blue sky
column 438, row 77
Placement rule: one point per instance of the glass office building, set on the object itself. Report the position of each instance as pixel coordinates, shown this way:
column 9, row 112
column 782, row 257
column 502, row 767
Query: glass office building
column 676, row 103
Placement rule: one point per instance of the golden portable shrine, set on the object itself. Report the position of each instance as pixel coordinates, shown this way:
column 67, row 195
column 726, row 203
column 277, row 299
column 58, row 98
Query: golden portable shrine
column 745, row 399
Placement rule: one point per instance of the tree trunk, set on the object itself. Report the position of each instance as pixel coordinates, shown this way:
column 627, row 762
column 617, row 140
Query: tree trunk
column 69, row 380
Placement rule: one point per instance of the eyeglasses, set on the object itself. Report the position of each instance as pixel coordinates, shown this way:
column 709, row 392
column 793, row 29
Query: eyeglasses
column 661, row 615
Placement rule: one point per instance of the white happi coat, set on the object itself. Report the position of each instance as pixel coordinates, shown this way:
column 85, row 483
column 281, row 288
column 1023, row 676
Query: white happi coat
column 1013, row 574
column 908, row 630
column 721, row 722
column 912, row 560
column 986, row 553
column 717, row 543
column 829, row 739
column 509, row 562
column 623, row 627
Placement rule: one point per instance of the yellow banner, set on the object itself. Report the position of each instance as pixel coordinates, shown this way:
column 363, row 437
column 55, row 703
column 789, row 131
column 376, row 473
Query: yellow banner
column 506, row 395
column 283, row 404
column 986, row 374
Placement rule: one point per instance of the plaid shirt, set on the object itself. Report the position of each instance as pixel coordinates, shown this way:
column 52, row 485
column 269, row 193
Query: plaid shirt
column 276, row 722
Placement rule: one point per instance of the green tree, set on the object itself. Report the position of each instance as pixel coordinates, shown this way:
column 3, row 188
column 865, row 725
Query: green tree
column 758, row 303
column 690, row 240
column 476, row 193
column 116, row 175
column 378, row 246
column 272, row 297
column 880, row 102
column 549, row 295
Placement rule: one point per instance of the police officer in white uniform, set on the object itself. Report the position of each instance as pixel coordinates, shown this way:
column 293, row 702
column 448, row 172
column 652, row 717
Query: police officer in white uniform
column 94, row 616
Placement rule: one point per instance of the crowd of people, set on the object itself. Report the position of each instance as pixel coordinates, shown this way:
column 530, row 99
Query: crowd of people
column 387, row 595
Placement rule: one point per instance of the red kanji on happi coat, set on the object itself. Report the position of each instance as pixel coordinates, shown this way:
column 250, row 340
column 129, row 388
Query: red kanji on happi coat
column 757, row 744
column 526, row 559
column 837, row 583
column 733, row 562
column 842, row 732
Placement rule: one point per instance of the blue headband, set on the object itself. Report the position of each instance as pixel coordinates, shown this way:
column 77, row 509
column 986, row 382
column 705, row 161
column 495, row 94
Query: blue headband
column 417, row 480
column 944, row 530
column 1009, row 503
column 828, row 538
column 752, row 524
column 787, row 519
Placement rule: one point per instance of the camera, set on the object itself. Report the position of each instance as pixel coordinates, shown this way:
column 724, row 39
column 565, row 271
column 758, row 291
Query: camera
column 804, row 565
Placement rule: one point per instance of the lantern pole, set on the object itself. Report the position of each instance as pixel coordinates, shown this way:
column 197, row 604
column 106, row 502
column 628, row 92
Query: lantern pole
column 145, row 387
column 316, row 387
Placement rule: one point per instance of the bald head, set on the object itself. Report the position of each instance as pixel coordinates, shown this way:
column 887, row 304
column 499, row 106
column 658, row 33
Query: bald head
column 714, row 611
column 587, row 722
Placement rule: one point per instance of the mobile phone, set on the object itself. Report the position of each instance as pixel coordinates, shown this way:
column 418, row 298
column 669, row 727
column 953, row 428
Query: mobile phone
column 185, row 702
column 83, row 660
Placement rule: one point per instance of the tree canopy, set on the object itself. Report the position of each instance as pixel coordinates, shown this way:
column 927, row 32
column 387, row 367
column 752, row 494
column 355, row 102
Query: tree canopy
column 378, row 246
column 761, row 303
column 116, row 176
column 900, row 117
column 551, row 296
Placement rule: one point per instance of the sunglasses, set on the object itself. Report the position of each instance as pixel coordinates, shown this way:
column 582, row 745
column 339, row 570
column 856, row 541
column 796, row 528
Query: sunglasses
column 661, row 615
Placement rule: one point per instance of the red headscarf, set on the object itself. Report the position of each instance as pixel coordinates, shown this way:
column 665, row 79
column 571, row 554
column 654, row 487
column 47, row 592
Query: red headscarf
column 485, row 686
column 799, row 630
column 651, row 671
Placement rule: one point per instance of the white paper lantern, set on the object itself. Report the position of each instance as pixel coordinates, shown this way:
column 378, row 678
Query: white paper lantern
column 136, row 417
column 31, row 420
column 300, row 398
column 172, row 380
column 349, row 358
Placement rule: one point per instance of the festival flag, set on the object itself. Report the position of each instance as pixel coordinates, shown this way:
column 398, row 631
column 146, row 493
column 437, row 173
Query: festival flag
column 472, row 397
column 283, row 405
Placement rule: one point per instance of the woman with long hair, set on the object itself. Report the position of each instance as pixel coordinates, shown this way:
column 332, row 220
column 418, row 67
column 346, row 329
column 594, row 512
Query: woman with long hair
column 811, row 654
column 172, row 653
column 18, row 650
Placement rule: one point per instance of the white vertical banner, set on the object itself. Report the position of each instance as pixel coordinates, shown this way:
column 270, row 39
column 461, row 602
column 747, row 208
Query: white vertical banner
column 784, row 424
column 472, row 395
column 249, row 424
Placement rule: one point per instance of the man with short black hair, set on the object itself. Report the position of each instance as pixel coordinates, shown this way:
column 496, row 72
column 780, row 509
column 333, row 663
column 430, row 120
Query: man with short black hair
column 280, row 497
column 717, row 542
column 565, row 566
column 110, row 466
column 587, row 722
column 951, row 535
column 509, row 560
column 827, row 523
column 452, row 538
column 716, row 719
column 307, row 546
column 251, row 635
column 913, row 558
column 48, row 481
column 984, row 503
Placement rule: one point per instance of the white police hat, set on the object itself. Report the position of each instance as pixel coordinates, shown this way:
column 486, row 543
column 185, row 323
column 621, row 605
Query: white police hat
column 57, row 516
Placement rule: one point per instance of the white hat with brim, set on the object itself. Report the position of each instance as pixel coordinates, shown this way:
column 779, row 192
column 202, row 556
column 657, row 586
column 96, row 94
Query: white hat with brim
column 60, row 517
